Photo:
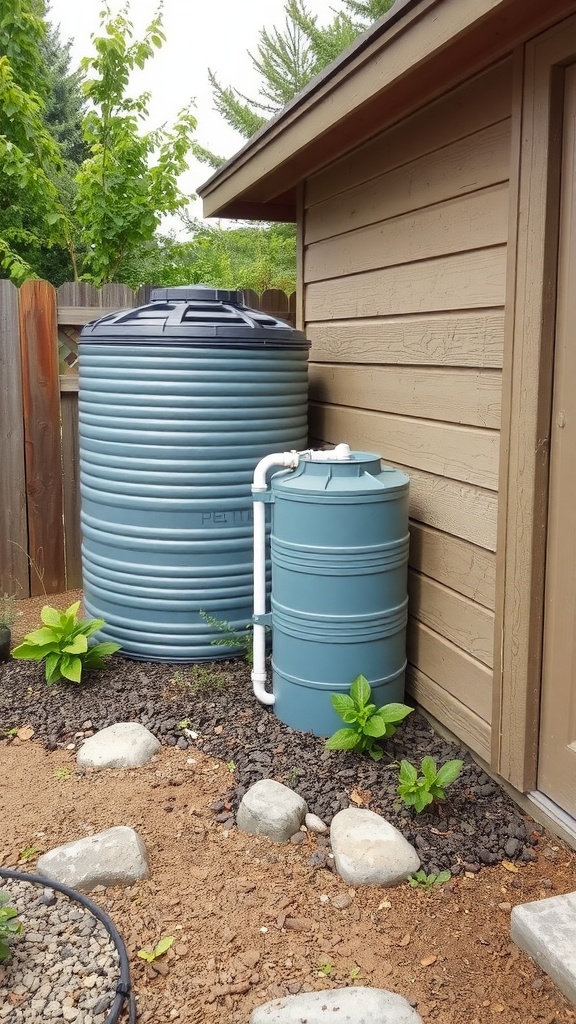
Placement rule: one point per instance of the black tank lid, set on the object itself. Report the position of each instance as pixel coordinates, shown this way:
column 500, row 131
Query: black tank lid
column 194, row 315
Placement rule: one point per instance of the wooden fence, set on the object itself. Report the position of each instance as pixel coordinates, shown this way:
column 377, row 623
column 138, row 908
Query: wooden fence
column 39, row 466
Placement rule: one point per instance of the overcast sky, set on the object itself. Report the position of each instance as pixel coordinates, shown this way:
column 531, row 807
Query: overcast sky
column 201, row 34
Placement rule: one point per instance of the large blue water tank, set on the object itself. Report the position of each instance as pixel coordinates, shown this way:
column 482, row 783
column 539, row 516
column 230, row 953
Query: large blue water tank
column 178, row 401
column 339, row 549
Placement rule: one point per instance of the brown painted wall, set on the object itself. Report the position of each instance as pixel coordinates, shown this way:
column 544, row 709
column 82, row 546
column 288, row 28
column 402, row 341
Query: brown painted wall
column 403, row 267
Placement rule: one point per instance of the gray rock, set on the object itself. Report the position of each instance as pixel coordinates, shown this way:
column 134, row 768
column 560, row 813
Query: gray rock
column 124, row 745
column 368, row 850
column 315, row 824
column 114, row 857
column 339, row 1006
column 546, row 929
column 271, row 809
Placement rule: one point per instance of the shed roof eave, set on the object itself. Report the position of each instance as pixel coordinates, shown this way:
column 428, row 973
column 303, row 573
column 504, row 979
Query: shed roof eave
column 318, row 82
column 418, row 50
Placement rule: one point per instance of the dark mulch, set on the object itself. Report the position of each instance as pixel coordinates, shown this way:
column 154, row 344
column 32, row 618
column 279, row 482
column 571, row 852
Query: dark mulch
column 477, row 825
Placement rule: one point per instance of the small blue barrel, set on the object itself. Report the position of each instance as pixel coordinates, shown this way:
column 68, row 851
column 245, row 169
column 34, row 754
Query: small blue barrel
column 339, row 548
column 178, row 402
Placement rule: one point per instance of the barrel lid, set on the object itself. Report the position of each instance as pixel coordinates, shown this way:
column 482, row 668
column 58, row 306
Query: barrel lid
column 363, row 474
column 194, row 316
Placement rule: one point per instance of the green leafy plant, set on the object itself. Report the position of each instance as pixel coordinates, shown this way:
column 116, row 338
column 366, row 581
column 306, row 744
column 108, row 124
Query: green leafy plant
column 354, row 972
column 62, row 643
column 231, row 766
column 366, row 723
column 325, row 968
column 28, row 853
column 231, row 637
column 11, row 733
column 161, row 947
column 184, row 724
column 9, row 927
column 62, row 774
column 420, row 790
column 420, row 880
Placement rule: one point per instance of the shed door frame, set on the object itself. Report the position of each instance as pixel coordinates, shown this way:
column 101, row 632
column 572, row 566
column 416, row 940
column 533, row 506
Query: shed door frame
column 527, row 400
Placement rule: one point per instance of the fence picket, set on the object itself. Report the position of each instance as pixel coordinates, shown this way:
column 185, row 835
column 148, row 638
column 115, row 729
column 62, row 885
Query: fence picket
column 41, row 403
column 14, row 574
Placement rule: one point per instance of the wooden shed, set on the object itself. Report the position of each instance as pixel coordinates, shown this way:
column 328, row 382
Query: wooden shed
column 431, row 173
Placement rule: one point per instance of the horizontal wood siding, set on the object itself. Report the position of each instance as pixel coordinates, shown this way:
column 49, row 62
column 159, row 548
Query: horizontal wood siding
column 404, row 272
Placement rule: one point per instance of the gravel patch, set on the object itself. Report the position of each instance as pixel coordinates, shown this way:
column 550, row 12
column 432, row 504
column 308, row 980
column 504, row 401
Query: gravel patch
column 64, row 966
column 211, row 707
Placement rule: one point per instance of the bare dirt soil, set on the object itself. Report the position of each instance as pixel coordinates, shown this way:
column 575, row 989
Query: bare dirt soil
column 253, row 920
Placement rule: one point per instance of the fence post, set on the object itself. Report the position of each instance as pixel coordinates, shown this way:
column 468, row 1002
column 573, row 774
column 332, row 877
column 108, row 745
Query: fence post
column 14, row 566
column 41, row 402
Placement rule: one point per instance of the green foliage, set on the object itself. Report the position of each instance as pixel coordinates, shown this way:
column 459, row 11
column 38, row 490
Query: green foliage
column 33, row 220
column 62, row 643
column 366, row 723
column 325, row 968
column 62, row 774
column 9, row 927
column 161, row 947
column 29, row 853
column 419, row 791
column 420, row 880
column 251, row 257
column 130, row 179
column 231, row 637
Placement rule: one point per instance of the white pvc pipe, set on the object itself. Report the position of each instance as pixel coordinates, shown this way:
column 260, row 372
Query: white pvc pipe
column 286, row 460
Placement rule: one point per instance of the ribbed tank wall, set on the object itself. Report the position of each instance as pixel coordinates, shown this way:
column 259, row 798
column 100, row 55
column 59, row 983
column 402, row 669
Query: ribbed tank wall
column 339, row 548
column 169, row 438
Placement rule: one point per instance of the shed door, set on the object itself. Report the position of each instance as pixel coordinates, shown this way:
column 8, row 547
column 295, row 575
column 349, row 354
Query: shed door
column 557, row 758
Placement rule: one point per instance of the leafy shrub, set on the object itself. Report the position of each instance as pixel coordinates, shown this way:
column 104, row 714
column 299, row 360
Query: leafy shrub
column 8, row 925
column 366, row 723
column 62, row 643
column 420, row 790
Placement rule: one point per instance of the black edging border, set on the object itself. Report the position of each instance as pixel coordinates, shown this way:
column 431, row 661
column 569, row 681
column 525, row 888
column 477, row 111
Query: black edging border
column 124, row 992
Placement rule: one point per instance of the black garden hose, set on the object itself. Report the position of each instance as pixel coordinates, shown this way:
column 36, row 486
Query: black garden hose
column 123, row 988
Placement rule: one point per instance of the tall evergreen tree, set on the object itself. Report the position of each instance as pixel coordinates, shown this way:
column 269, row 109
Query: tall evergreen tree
column 286, row 60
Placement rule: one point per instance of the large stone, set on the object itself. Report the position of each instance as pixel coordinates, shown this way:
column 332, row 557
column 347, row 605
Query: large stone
column 546, row 929
column 124, row 745
column 338, row 1006
column 368, row 850
column 114, row 857
column 271, row 809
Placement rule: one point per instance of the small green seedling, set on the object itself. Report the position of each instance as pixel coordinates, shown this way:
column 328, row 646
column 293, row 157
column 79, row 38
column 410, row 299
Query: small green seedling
column 61, row 774
column 62, row 644
column 29, row 852
column 366, row 723
column 184, row 724
column 161, row 947
column 355, row 972
column 11, row 733
column 419, row 791
column 231, row 766
column 9, row 927
column 231, row 637
column 421, row 880
column 325, row 969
